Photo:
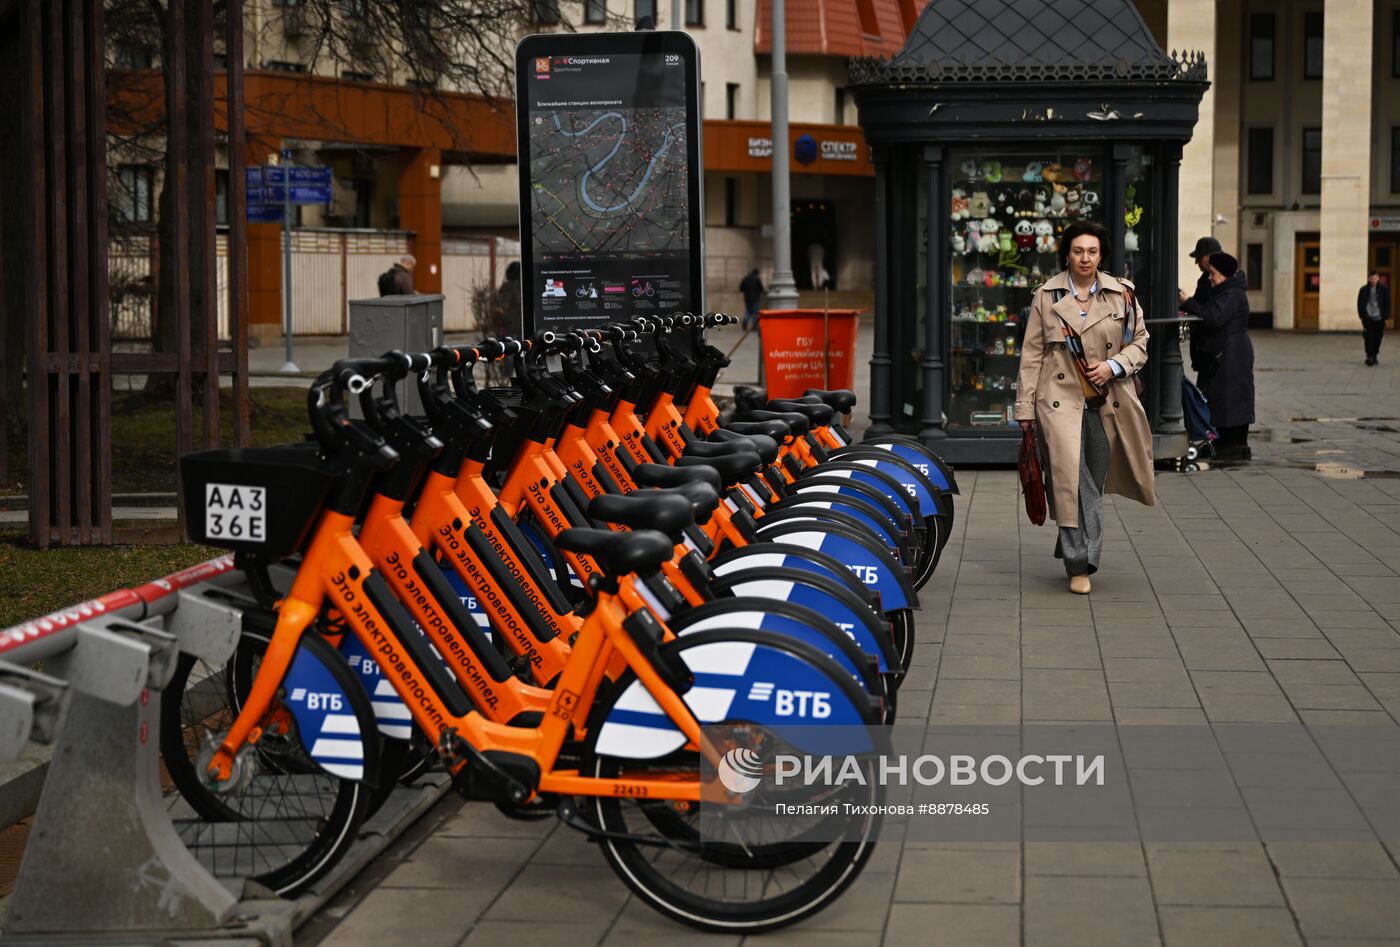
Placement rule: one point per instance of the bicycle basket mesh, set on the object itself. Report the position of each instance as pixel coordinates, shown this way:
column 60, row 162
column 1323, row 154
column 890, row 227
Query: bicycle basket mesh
column 261, row 500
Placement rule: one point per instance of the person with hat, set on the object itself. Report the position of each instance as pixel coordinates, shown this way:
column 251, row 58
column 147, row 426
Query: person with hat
column 1222, row 354
column 1204, row 248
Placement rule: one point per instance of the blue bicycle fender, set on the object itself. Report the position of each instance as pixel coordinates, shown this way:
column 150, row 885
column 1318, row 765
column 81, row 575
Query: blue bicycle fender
column 329, row 729
column 914, row 487
column 820, row 602
column 777, row 625
column 391, row 714
column 740, row 679
column 747, row 558
column 468, row 599
column 927, row 463
column 898, row 493
column 871, row 566
column 830, row 498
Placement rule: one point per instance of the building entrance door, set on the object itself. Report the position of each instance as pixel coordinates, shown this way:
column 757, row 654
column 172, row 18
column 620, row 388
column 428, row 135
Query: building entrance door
column 1307, row 266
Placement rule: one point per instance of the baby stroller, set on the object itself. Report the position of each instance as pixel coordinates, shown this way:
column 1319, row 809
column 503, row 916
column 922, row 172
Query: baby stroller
column 1195, row 410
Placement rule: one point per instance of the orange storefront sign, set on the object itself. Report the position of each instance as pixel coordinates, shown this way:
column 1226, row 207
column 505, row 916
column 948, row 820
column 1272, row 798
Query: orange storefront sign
column 747, row 146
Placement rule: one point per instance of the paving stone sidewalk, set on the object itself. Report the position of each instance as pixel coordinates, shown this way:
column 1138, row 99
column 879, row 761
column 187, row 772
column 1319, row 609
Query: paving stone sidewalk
column 1264, row 593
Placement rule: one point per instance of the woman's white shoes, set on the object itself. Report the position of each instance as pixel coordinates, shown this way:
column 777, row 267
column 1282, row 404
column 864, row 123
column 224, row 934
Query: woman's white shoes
column 1079, row 584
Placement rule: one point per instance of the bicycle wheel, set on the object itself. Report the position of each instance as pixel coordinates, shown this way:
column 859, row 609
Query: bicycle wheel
column 749, row 886
column 289, row 821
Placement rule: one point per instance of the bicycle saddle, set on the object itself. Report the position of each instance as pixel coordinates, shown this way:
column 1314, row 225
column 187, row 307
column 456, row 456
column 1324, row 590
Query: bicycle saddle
column 765, row 447
column 797, row 421
column 774, row 429
column 660, row 475
column 642, row 551
column 818, row 414
column 660, row 510
column 732, row 467
column 703, row 498
column 842, row 399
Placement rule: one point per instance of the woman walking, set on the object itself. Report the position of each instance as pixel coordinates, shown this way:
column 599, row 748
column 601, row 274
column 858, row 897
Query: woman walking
column 1222, row 354
column 1095, row 442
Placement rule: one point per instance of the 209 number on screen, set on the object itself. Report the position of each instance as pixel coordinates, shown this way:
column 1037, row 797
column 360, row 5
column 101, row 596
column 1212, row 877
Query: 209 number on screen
column 233, row 511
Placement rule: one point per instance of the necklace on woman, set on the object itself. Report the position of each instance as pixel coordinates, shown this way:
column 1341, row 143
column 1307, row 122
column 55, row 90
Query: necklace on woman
column 1087, row 297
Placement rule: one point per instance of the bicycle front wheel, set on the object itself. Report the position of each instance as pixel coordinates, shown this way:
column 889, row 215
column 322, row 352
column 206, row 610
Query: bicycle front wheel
column 290, row 820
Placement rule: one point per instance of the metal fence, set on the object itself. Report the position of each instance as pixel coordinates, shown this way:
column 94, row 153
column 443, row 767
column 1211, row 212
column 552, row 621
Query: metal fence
column 329, row 268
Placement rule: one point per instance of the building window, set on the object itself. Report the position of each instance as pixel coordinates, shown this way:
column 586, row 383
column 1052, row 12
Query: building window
column 840, row 106
column 132, row 57
column 731, row 14
column 133, row 197
column 546, row 12
column 1260, row 158
column 351, row 76
column 1261, row 46
column 1395, row 159
column 731, row 100
column 282, row 65
column 1312, row 161
column 731, row 202
column 1254, row 265
column 221, row 196
column 595, row 11
column 646, row 9
column 1395, row 43
column 694, row 12
column 1312, row 46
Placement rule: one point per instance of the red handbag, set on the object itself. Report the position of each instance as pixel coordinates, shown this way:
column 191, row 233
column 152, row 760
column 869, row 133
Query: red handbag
column 1032, row 478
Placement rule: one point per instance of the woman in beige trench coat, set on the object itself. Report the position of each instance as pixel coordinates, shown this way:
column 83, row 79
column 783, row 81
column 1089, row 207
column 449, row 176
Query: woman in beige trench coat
column 1090, row 451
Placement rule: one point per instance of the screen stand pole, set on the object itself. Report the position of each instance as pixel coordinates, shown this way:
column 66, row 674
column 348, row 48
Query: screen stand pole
column 290, row 367
column 782, row 291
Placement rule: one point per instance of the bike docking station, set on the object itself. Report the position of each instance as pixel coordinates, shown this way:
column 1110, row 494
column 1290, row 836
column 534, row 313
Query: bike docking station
column 105, row 861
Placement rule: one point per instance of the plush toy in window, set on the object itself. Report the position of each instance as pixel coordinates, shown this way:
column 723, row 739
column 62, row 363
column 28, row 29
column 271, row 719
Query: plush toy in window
column 1005, row 240
column 1084, row 169
column 1090, row 203
column 957, row 242
column 1025, row 234
column 960, row 204
column 991, row 170
column 1032, row 171
column 1052, row 172
column 1044, row 236
column 1001, row 203
column 1073, row 205
column 1025, row 203
column 987, row 243
column 969, row 169
column 974, row 233
column 980, row 205
column 1042, row 201
column 1057, row 205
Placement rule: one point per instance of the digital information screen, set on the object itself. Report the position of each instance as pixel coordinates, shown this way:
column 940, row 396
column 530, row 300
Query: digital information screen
column 610, row 177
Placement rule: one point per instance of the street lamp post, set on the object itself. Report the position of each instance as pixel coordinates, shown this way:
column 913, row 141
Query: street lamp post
column 782, row 292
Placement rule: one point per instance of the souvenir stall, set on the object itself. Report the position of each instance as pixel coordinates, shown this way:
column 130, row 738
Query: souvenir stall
column 1000, row 123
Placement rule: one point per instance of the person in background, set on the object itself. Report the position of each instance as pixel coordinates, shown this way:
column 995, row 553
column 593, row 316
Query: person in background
column 1204, row 248
column 1222, row 354
column 1373, row 306
column 397, row 280
column 752, row 288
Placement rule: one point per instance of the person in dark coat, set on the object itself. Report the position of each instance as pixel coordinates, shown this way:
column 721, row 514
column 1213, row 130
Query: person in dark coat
column 397, row 280
column 1223, row 355
column 752, row 288
column 1373, row 306
column 1204, row 248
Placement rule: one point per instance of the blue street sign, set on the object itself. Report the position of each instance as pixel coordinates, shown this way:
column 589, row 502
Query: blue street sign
column 320, row 177
column 316, row 177
column 264, row 213
column 311, row 194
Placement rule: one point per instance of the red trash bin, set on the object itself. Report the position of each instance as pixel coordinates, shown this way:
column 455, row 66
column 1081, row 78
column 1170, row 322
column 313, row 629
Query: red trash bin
column 794, row 356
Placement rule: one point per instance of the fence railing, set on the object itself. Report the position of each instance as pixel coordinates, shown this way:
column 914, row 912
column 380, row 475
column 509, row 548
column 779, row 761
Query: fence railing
column 329, row 268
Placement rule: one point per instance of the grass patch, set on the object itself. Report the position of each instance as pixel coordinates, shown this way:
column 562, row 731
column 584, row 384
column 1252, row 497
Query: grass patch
column 34, row 582
column 144, row 457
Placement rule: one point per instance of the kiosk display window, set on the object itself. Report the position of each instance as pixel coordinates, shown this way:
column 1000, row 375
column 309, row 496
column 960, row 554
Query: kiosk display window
column 1008, row 211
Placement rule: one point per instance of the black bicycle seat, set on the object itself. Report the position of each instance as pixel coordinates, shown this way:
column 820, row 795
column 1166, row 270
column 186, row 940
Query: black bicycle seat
column 777, row 430
column 796, row 420
column 661, row 510
column 660, row 475
column 818, row 414
column 641, row 551
column 842, row 399
column 731, row 467
column 703, row 497
column 765, row 447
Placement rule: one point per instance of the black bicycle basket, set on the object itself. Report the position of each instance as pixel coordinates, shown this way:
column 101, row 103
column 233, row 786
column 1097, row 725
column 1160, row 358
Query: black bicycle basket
column 260, row 500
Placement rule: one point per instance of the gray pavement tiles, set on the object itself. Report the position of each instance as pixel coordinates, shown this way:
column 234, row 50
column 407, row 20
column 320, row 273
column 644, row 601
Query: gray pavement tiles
column 1260, row 595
